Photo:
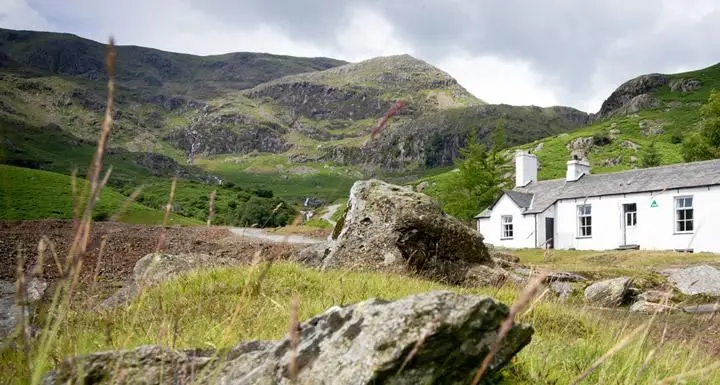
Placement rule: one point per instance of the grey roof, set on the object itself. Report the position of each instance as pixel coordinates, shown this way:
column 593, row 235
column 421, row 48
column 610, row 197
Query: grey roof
column 522, row 199
column 536, row 197
column 705, row 173
column 484, row 214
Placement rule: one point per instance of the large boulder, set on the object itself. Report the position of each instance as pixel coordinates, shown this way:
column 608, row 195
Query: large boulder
column 392, row 228
column 610, row 292
column 434, row 337
column 694, row 280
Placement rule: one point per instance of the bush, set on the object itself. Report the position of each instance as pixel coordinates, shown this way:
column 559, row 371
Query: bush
column 676, row 138
column 601, row 139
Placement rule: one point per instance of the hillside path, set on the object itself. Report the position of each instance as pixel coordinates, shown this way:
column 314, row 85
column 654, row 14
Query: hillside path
column 251, row 232
column 330, row 212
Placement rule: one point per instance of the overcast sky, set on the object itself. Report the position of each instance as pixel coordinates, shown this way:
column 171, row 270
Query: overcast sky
column 549, row 52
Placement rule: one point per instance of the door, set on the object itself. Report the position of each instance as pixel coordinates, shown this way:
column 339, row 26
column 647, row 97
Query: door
column 550, row 232
column 629, row 221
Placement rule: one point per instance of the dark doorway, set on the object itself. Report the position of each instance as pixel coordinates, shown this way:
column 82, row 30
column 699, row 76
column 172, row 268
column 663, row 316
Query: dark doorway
column 550, row 232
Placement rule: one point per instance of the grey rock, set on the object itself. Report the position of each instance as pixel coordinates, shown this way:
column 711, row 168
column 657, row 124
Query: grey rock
column 651, row 127
column 612, row 161
column 365, row 343
column 553, row 276
column 580, row 147
column 154, row 268
column 643, row 306
column 693, row 280
column 631, row 145
column 656, row 296
column 706, row 308
column 312, row 255
column 391, row 228
column 632, row 96
column 614, row 133
column 487, row 276
column 609, row 293
column 563, row 289
column 421, row 186
column 10, row 312
column 684, row 85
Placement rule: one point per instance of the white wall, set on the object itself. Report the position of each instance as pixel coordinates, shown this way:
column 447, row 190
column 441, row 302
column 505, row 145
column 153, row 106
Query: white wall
column 655, row 225
column 523, row 225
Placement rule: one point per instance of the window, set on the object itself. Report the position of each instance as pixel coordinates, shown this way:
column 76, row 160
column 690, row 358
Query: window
column 684, row 214
column 507, row 227
column 584, row 221
column 630, row 214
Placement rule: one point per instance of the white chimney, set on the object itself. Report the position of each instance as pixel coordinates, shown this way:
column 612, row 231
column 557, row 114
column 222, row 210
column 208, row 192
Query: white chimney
column 576, row 168
column 526, row 168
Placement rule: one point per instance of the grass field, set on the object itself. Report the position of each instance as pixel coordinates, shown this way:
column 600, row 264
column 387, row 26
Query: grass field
column 35, row 194
column 199, row 308
column 610, row 263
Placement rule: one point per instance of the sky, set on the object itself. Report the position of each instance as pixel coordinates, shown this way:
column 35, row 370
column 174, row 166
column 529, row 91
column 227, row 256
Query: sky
column 521, row 52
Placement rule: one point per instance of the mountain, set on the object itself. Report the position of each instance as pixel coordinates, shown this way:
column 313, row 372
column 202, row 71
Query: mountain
column 239, row 114
column 663, row 108
column 660, row 108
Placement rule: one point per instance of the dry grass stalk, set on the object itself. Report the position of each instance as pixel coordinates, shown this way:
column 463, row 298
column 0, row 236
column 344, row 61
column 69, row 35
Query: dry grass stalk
column 168, row 208
column 21, row 302
column 525, row 297
column 126, row 204
column 680, row 377
column 63, row 296
column 97, row 264
column 212, row 207
column 294, row 332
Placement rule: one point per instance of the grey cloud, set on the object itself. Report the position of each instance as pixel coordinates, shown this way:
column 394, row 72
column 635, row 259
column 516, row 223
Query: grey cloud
column 567, row 42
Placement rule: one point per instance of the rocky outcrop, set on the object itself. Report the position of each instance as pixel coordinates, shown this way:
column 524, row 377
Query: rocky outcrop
column 435, row 337
column 695, row 280
column 158, row 267
column 684, row 85
column 609, row 293
column 580, row 147
column 392, row 228
column 632, row 96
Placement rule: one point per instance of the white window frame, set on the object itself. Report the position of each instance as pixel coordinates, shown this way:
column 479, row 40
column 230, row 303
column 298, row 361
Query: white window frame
column 632, row 216
column 507, row 227
column 681, row 205
column 580, row 216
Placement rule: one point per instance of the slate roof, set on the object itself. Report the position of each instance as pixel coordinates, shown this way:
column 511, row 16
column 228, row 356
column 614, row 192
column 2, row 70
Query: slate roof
column 545, row 193
column 522, row 199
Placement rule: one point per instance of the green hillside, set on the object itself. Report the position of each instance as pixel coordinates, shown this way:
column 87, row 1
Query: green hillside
column 34, row 194
column 252, row 117
column 668, row 114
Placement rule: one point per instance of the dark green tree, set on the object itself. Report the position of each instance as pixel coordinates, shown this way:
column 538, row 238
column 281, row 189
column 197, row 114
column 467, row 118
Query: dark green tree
column 499, row 136
column 480, row 178
column 650, row 157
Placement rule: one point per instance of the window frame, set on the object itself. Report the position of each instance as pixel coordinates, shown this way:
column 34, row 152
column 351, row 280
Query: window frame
column 504, row 226
column 685, row 209
column 632, row 216
column 580, row 215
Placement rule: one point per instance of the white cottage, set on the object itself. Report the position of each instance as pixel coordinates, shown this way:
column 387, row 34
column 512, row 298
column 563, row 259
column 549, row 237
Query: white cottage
column 673, row 207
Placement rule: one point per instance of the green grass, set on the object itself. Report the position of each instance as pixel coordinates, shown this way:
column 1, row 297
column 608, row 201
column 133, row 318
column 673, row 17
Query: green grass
column 195, row 311
column 613, row 263
column 34, row 194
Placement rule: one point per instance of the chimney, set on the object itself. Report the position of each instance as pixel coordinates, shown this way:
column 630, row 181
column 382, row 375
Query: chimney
column 526, row 168
column 577, row 168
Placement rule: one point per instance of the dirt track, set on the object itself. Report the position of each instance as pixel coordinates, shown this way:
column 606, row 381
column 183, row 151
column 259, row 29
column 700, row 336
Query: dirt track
column 124, row 246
